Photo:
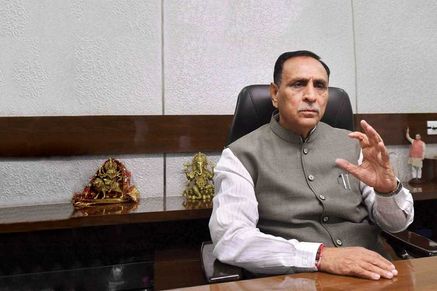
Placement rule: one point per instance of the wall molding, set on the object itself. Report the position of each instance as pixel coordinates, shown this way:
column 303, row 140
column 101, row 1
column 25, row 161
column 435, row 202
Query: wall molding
column 391, row 126
column 150, row 134
column 95, row 135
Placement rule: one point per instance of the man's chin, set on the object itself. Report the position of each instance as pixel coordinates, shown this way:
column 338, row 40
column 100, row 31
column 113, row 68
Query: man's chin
column 309, row 122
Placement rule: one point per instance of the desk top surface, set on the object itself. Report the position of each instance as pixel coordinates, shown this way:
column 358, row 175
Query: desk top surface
column 425, row 191
column 415, row 274
column 58, row 216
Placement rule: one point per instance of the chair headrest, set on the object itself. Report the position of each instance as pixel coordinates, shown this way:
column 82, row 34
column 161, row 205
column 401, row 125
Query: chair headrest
column 254, row 108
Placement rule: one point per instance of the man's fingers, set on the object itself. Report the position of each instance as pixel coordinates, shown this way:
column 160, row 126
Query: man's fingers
column 375, row 269
column 374, row 274
column 361, row 137
column 363, row 273
column 373, row 266
column 347, row 166
column 383, row 264
column 374, row 137
column 384, row 154
column 377, row 264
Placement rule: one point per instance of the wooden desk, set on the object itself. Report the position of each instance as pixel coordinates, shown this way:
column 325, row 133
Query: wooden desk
column 87, row 249
column 159, row 236
column 425, row 191
column 416, row 274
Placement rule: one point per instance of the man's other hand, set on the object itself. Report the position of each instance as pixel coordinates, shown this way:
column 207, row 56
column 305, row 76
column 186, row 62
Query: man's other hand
column 356, row 261
column 375, row 170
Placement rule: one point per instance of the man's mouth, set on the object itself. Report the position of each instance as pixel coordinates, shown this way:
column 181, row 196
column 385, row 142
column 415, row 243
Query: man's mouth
column 315, row 111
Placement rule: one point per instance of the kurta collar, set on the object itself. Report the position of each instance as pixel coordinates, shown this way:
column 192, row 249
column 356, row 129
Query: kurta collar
column 288, row 135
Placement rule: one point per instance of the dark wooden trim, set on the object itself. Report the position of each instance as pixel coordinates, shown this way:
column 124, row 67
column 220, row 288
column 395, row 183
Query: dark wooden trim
column 95, row 135
column 391, row 126
column 107, row 135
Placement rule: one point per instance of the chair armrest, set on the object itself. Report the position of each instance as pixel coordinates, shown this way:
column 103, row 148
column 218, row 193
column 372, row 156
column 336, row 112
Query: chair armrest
column 413, row 242
column 216, row 271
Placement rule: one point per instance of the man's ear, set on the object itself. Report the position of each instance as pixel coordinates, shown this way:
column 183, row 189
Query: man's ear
column 274, row 93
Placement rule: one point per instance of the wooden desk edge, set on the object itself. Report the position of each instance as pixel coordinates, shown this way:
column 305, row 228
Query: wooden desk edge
column 161, row 213
column 414, row 274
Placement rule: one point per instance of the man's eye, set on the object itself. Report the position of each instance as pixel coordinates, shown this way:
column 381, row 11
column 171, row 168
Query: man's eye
column 320, row 86
column 298, row 84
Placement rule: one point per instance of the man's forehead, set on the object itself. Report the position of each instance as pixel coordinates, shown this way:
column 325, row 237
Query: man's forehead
column 304, row 67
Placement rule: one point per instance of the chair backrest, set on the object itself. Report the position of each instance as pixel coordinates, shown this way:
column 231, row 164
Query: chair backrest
column 254, row 108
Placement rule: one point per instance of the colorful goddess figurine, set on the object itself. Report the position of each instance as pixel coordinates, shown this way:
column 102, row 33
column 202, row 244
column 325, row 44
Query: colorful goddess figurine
column 199, row 174
column 416, row 156
column 111, row 184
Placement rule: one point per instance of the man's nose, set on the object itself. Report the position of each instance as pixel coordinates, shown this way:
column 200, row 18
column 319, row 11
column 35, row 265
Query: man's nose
column 309, row 93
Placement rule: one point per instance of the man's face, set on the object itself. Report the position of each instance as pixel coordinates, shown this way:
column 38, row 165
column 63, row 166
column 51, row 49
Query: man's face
column 302, row 96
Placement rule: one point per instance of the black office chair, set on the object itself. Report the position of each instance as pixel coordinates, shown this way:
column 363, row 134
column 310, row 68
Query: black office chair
column 254, row 108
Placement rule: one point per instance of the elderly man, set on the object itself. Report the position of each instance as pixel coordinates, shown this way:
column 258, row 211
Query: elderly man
column 289, row 199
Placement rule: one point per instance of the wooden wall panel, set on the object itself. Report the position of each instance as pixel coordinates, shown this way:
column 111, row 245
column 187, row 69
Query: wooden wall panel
column 95, row 135
column 391, row 126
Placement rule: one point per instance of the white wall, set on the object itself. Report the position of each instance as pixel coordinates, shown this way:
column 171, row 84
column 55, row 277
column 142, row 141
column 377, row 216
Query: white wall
column 212, row 49
column 154, row 57
column 396, row 43
column 80, row 57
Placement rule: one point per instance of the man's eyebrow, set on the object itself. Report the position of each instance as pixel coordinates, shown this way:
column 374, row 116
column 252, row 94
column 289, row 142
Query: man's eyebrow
column 323, row 81
column 300, row 79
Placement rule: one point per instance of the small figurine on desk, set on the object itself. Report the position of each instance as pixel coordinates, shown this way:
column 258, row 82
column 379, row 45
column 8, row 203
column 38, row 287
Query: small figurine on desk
column 199, row 185
column 416, row 157
column 110, row 184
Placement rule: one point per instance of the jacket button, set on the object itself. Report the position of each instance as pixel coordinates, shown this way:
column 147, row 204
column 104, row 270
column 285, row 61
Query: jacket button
column 339, row 242
column 305, row 151
column 311, row 177
column 325, row 219
column 322, row 197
